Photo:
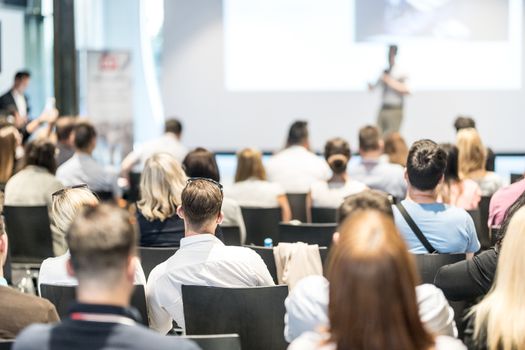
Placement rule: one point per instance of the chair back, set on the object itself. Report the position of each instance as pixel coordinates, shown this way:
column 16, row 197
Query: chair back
column 231, row 235
column 298, row 206
column 494, row 235
column 261, row 223
column 482, row 230
column 324, row 215
column 429, row 264
column 6, row 344
column 484, row 207
column 64, row 296
column 216, row 342
column 105, row 196
column 256, row 314
column 29, row 233
column 320, row 234
column 515, row 178
column 153, row 256
column 134, row 187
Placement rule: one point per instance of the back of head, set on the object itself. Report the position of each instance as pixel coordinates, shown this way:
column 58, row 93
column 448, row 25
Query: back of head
column 396, row 148
column 101, row 239
column 369, row 139
column 173, row 126
column 298, row 134
column 201, row 163
column 363, row 201
column 249, row 165
column 464, row 122
column 64, row 127
column 472, row 153
column 426, row 164
column 161, row 185
column 20, row 75
column 452, row 170
column 84, row 133
column 201, row 202
column 8, row 144
column 337, row 154
column 41, row 153
column 372, row 303
column 67, row 203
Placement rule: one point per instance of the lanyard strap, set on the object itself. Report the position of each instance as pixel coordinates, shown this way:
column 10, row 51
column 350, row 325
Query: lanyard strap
column 105, row 318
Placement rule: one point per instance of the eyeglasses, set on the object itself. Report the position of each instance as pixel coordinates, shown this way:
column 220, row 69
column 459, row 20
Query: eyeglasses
column 192, row 179
column 63, row 190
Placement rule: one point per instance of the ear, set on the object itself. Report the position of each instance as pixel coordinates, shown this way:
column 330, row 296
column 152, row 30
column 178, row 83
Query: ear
column 180, row 212
column 220, row 218
column 131, row 266
column 442, row 180
column 69, row 268
column 381, row 145
column 335, row 237
column 405, row 175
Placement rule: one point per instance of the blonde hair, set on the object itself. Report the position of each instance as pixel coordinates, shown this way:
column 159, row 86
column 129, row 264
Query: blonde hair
column 67, row 204
column 500, row 313
column 161, row 185
column 472, row 154
column 249, row 164
column 8, row 144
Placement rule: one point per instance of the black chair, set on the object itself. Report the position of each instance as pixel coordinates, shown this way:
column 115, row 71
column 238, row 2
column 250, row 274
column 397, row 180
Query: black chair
column 256, row 314
column 134, row 184
column 153, row 256
column 105, row 196
column 494, row 235
column 482, row 230
column 6, row 344
column 484, row 208
column 231, row 235
column 324, row 215
column 261, row 223
column 64, row 296
column 320, row 234
column 8, row 274
column 29, row 233
column 298, row 206
column 515, row 178
column 429, row 264
column 216, row 342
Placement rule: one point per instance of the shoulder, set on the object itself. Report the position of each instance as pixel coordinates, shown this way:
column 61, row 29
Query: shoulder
column 449, row 343
column 312, row 340
column 142, row 338
column 27, row 301
column 430, row 297
column 311, row 289
column 33, row 337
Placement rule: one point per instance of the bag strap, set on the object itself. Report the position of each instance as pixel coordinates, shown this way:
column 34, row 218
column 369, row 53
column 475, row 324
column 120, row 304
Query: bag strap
column 420, row 236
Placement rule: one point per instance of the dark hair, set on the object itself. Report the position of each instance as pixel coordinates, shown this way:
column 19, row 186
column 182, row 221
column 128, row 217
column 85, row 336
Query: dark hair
column 298, row 133
column 201, row 163
column 41, row 153
column 173, row 125
column 517, row 205
column 426, row 164
column 452, row 169
column 464, row 122
column 84, row 134
column 201, row 201
column 337, row 154
column 64, row 127
column 22, row 75
column 369, row 137
column 490, row 163
column 365, row 200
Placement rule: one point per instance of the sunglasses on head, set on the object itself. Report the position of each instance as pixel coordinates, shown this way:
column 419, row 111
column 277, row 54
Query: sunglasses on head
column 192, row 179
column 63, row 190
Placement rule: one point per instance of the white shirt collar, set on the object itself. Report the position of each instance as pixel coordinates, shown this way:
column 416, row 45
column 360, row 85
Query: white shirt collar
column 200, row 238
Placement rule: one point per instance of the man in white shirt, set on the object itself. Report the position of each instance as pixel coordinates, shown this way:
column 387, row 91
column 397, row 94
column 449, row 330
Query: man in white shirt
column 167, row 143
column 202, row 259
column 296, row 168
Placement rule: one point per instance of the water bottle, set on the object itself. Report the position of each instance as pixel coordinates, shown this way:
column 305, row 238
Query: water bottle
column 268, row 242
column 26, row 284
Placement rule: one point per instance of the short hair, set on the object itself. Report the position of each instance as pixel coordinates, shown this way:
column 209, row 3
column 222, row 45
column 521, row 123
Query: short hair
column 101, row 239
column 173, row 126
column 201, row 201
column 369, row 137
column 426, row 164
column 298, row 133
column 464, row 122
column 41, row 153
column 249, row 165
column 68, row 203
column 452, row 169
column 23, row 74
column 84, row 134
column 201, row 163
column 396, row 148
column 365, row 200
column 64, row 127
column 472, row 152
column 337, row 154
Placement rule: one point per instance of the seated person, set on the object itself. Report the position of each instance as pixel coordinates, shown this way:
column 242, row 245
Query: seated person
column 66, row 205
column 103, row 244
column 307, row 303
column 251, row 188
column 10, row 144
column 331, row 193
column 446, row 229
column 19, row 310
column 502, row 200
column 378, row 309
column 202, row 259
column 296, row 167
column 65, row 141
column 373, row 170
column 396, row 149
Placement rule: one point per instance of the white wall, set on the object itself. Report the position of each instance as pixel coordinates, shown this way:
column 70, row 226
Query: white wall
column 12, row 45
column 193, row 88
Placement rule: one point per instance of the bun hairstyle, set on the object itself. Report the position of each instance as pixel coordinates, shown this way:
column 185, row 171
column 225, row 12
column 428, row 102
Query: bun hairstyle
column 337, row 154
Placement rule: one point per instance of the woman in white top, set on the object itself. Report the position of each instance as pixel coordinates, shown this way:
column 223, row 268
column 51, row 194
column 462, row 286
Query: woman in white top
column 251, row 188
column 372, row 298
column 331, row 193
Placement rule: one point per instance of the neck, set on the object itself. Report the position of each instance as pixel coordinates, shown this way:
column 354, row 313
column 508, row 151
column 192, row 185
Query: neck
column 422, row 197
column 85, row 151
column 371, row 155
column 92, row 293
column 339, row 178
column 194, row 231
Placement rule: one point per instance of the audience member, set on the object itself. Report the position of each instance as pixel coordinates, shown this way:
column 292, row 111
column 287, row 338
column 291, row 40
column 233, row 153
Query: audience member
column 295, row 168
column 251, row 187
column 170, row 143
column 459, row 193
column 496, row 323
column 378, row 309
column 464, row 122
column 331, row 193
column 472, row 162
column 502, row 200
column 396, row 148
column 307, row 303
column 10, row 139
column 82, row 167
column 436, row 227
column 103, row 245
column 372, row 170
column 19, row 310
column 65, row 139
column 202, row 259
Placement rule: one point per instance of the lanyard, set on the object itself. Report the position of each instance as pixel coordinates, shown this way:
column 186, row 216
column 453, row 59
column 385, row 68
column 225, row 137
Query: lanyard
column 106, row 318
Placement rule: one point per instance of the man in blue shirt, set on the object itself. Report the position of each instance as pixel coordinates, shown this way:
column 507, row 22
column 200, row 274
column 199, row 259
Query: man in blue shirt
column 447, row 229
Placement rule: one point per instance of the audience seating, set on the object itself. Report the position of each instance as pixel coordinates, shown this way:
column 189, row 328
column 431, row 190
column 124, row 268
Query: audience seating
column 152, row 256
column 29, row 233
column 64, row 296
column 7, row 268
column 231, row 235
column 105, row 196
column 216, row 342
column 481, row 228
column 298, row 206
column 429, row 264
column 494, row 235
column 256, row 314
column 320, row 234
column 515, row 178
column 324, row 215
column 261, row 223
column 6, row 344
column 133, row 191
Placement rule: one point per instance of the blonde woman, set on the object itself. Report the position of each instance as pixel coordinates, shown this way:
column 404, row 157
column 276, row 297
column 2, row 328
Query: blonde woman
column 251, row 188
column 472, row 159
column 497, row 322
column 10, row 140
